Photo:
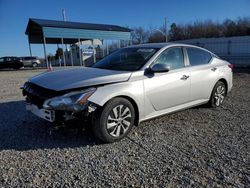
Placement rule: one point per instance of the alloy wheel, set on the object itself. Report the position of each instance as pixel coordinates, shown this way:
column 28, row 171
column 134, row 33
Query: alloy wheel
column 119, row 120
column 219, row 95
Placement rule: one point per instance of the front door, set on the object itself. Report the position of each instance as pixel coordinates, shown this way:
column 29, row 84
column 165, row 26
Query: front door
column 168, row 89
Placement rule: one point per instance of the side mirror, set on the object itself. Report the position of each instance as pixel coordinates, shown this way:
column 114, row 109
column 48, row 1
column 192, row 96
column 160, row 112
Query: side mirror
column 159, row 68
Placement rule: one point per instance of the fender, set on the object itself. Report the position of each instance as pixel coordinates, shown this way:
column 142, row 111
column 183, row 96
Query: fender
column 133, row 90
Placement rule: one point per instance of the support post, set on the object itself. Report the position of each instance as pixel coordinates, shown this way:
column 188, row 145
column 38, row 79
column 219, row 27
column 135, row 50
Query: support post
column 130, row 41
column 103, row 52
column 119, row 44
column 94, row 57
column 59, row 58
column 63, row 53
column 30, row 48
column 80, row 55
column 45, row 54
column 71, row 57
column 107, row 47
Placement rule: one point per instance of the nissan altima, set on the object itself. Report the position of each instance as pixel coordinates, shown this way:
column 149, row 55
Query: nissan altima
column 131, row 85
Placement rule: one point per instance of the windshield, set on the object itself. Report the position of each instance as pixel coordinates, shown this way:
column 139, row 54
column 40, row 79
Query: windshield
column 126, row 59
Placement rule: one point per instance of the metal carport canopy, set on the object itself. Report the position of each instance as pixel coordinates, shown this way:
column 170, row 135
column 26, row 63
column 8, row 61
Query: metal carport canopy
column 54, row 31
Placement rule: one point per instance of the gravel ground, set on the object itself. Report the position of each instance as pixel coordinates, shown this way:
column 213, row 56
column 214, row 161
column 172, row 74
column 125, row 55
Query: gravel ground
column 198, row 147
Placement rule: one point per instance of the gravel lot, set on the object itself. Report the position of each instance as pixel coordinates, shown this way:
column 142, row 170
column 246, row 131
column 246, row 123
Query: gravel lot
column 198, row 147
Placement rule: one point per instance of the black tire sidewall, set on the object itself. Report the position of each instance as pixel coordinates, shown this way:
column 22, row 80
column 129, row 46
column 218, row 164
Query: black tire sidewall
column 100, row 123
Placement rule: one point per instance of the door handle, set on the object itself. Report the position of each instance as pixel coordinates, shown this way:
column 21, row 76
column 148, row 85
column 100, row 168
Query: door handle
column 184, row 77
column 213, row 69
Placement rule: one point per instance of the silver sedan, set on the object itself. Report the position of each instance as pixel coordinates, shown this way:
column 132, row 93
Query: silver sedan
column 129, row 86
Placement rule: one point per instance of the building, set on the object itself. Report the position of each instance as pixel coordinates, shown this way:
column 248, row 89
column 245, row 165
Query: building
column 65, row 33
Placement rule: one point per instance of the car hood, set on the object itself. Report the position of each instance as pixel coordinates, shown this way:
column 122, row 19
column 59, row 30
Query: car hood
column 73, row 78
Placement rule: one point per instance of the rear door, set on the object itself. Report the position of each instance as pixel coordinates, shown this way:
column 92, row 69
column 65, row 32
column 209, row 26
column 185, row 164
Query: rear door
column 203, row 73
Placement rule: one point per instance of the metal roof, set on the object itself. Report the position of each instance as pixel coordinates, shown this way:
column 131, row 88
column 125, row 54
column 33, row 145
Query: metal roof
column 72, row 31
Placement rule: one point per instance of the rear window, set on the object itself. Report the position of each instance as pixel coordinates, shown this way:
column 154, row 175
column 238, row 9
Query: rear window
column 198, row 57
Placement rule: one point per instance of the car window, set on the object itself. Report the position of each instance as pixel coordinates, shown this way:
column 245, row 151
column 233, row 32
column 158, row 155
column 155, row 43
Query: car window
column 28, row 58
column 173, row 57
column 198, row 57
column 1, row 60
column 8, row 59
column 126, row 59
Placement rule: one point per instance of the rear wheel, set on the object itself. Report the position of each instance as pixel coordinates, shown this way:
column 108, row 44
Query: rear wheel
column 34, row 65
column 218, row 95
column 115, row 120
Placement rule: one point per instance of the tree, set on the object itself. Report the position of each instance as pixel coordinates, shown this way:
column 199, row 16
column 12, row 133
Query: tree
column 243, row 26
column 175, row 32
column 157, row 34
column 212, row 29
column 50, row 57
column 197, row 29
column 139, row 35
column 59, row 53
column 156, row 37
column 74, row 47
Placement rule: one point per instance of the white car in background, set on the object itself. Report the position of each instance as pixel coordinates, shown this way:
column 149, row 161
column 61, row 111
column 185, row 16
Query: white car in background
column 129, row 86
column 30, row 61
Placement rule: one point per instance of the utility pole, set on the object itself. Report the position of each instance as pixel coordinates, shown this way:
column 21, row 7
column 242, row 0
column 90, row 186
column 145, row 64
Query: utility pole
column 64, row 14
column 166, row 31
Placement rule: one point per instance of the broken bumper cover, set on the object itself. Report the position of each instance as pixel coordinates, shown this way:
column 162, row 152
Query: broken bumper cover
column 48, row 115
column 60, row 108
column 61, row 115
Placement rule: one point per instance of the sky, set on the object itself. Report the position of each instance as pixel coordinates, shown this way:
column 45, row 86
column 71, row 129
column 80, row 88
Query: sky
column 14, row 16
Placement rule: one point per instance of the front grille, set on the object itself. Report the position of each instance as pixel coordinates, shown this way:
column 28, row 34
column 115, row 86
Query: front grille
column 36, row 94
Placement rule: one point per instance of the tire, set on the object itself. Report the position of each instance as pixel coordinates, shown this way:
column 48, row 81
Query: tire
column 34, row 65
column 218, row 95
column 109, row 126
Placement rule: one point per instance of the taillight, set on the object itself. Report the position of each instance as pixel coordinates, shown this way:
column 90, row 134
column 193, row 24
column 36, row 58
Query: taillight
column 231, row 66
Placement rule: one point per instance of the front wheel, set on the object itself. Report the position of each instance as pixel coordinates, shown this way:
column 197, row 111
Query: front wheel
column 218, row 95
column 115, row 120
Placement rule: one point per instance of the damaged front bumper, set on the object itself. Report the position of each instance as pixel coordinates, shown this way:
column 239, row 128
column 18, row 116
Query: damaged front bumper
column 58, row 106
column 52, row 115
column 48, row 115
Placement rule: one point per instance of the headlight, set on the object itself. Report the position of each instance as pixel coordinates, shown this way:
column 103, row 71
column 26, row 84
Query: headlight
column 74, row 101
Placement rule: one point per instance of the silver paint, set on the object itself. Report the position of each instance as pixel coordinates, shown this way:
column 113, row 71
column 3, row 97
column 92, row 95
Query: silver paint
column 153, row 95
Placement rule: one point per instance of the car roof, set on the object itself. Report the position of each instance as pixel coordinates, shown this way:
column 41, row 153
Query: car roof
column 161, row 45
column 9, row 57
column 168, row 44
column 28, row 57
